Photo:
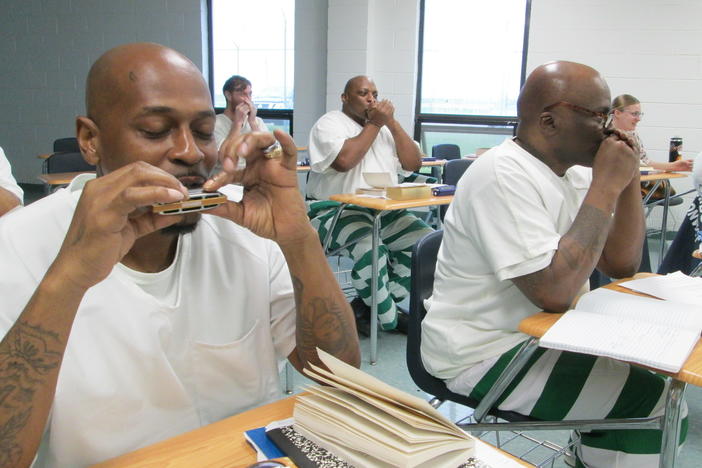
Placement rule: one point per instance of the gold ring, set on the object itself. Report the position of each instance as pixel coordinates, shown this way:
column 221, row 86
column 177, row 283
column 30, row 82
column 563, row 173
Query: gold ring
column 275, row 153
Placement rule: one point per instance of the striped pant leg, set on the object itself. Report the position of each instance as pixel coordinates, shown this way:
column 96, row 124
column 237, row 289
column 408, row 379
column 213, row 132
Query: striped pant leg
column 356, row 224
column 557, row 385
column 399, row 231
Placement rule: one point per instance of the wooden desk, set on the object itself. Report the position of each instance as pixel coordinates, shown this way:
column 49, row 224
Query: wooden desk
column 658, row 178
column 691, row 373
column 380, row 206
column 219, row 444
column 222, row 444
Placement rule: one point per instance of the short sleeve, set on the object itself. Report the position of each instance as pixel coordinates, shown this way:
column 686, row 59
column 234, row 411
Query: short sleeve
column 514, row 226
column 326, row 140
column 282, row 300
column 221, row 130
column 7, row 181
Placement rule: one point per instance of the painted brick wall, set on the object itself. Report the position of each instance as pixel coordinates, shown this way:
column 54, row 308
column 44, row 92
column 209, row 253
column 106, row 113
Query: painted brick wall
column 47, row 47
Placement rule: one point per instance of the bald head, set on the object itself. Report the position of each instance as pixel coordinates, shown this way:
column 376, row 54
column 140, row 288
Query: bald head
column 355, row 82
column 124, row 70
column 558, row 81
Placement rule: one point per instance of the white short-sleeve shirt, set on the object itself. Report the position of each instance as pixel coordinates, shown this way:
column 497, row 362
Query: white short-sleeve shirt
column 223, row 126
column 7, row 181
column 138, row 368
column 326, row 139
column 506, row 220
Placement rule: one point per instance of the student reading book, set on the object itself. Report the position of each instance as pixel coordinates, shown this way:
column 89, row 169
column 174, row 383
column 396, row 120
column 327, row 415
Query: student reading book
column 654, row 333
column 369, row 423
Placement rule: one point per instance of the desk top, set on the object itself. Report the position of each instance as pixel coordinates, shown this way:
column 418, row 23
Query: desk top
column 385, row 204
column 218, row 444
column 438, row 162
column 691, row 372
column 222, row 444
column 663, row 176
column 60, row 178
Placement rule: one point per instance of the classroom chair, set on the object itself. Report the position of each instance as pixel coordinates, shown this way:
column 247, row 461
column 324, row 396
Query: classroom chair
column 446, row 151
column 453, row 170
column 424, row 256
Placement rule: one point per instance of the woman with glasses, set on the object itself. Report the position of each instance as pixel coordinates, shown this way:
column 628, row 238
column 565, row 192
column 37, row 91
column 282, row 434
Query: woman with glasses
column 626, row 114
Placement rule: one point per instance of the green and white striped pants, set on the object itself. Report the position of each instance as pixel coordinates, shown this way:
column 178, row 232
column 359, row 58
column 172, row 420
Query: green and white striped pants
column 399, row 230
column 559, row 385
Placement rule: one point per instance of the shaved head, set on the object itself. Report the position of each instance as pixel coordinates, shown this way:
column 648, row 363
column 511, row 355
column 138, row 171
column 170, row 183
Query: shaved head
column 355, row 82
column 123, row 70
column 557, row 81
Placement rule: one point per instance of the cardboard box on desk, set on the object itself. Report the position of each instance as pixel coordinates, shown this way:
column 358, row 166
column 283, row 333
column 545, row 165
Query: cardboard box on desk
column 383, row 184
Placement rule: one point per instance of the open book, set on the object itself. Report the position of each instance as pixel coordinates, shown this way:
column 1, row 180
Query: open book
column 369, row 423
column 651, row 332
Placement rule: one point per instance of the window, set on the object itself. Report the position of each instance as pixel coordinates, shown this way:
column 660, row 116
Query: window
column 472, row 59
column 255, row 40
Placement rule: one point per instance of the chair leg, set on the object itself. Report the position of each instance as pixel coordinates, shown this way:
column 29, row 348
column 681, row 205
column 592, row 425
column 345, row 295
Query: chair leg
column 289, row 378
column 510, row 372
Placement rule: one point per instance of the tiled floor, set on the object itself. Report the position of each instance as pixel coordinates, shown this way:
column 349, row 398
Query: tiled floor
column 392, row 368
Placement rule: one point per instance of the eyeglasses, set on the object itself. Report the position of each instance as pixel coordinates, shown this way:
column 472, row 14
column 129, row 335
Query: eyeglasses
column 636, row 114
column 605, row 119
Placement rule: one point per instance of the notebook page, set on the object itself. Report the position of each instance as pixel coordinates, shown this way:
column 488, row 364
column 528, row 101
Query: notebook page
column 652, row 345
column 676, row 287
column 605, row 301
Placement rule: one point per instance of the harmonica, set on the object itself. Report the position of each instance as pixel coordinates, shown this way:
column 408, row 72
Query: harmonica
column 197, row 201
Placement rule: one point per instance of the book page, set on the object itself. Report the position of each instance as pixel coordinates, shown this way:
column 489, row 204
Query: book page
column 399, row 411
column 402, row 428
column 350, row 373
column 677, row 287
column 672, row 314
column 653, row 345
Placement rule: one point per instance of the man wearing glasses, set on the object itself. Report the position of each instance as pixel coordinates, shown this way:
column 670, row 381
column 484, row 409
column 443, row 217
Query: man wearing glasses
column 530, row 221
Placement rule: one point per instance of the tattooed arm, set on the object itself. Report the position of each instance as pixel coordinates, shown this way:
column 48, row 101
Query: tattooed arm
column 272, row 207
column 103, row 229
column 324, row 318
column 596, row 229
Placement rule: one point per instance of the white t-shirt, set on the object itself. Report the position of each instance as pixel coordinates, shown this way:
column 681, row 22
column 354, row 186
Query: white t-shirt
column 508, row 215
column 7, row 181
column 137, row 369
column 223, row 126
column 326, row 139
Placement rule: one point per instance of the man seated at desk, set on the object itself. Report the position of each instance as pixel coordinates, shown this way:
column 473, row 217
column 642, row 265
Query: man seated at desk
column 239, row 117
column 11, row 194
column 530, row 221
column 123, row 327
column 365, row 137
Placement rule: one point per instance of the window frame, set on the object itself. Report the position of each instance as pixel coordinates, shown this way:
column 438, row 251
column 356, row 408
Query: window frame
column 282, row 114
column 428, row 118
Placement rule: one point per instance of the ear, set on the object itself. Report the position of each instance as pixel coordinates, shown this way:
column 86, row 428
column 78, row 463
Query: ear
column 547, row 123
column 344, row 98
column 228, row 96
column 88, row 135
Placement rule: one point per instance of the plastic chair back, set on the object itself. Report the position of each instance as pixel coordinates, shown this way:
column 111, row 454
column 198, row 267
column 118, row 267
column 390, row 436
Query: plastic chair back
column 446, row 151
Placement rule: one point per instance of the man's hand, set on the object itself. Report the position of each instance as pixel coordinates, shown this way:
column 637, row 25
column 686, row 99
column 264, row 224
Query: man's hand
column 615, row 164
column 241, row 113
column 252, row 115
column 272, row 205
column 381, row 114
column 681, row 165
column 113, row 211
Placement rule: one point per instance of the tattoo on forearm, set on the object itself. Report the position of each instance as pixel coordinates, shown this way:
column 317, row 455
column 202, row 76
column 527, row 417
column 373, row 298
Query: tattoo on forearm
column 322, row 323
column 27, row 355
column 588, row 235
